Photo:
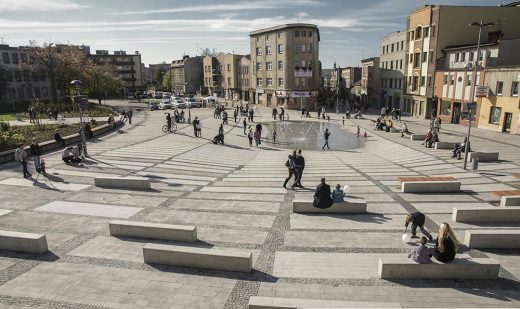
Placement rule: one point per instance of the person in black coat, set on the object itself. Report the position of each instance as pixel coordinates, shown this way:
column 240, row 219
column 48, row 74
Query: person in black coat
column 446, row 244
column 417, row 219
column 290, row 164
column 58, row 138
column 322, row 198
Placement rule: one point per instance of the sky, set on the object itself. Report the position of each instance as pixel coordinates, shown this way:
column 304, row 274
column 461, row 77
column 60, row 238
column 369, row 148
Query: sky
column 350, row 30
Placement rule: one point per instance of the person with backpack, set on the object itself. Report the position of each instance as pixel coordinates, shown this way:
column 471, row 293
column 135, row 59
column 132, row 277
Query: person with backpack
column 290, row 168
column 300, row 166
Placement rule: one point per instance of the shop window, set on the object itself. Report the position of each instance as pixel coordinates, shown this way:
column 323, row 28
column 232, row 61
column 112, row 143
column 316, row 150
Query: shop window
column 494, row 115
column 445, row 108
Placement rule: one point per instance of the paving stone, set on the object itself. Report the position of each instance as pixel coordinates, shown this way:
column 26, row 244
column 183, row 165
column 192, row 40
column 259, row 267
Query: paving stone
column 43, row 184
column 90, row 209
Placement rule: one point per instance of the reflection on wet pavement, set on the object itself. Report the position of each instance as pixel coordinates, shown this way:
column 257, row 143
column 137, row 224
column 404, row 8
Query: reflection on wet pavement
column 309, row 135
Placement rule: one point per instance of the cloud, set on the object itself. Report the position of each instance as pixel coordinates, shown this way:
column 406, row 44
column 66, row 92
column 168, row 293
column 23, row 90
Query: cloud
column 228, row 7
column 39, row 5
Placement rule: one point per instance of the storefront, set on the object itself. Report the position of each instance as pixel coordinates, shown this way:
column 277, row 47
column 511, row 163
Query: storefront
column 297, row 99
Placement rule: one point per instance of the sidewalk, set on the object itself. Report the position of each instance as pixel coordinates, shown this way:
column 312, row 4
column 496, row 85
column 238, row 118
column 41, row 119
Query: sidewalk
column 26, row 122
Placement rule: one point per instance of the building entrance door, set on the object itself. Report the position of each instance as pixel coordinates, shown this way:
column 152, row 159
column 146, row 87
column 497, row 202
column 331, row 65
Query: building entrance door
column 508, row 119
column 455, row 114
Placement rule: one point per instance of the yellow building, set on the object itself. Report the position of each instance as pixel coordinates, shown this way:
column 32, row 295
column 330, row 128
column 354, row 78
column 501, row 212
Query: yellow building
column 499, row 108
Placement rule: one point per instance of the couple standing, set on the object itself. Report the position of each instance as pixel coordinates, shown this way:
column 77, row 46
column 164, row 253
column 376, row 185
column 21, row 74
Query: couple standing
column 295, row 165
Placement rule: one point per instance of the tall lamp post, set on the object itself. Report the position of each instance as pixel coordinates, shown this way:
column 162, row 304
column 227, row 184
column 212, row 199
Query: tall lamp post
column 189, row 105
column 480, row 25
column 77, row 83
column 337, row 89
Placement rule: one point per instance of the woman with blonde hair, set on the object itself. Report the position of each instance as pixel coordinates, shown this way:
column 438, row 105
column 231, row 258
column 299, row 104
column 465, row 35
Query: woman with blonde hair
column 447, row 243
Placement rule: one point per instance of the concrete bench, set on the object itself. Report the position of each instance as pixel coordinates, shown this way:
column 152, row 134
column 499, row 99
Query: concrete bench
column 511, row 200
column 402, row 267
column 139, row 183
column 483, row 156
column 395, row 130
column 444, row 145
column 486, row 214
column 496, row 239
column 23, row 242
column 430, row 186
column 153, row 230
column 232, row 260
column 417, row 137
column 261, row 302
column 350, row 206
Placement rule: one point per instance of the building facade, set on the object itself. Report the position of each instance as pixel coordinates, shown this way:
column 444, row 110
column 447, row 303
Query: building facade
column 128, row 67
column 187, row 76
column 350, row 76
column 224, row 74
column 392, row 65
column 285, row 66
column 370, row 82
column 150, row 74
column 244, row 78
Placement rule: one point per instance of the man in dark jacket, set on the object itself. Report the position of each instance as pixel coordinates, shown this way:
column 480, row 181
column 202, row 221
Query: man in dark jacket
column 290, row 168
column 417, row 219
column 299, row 166
column 195, row 123
column 36, row 153
column 322, row 198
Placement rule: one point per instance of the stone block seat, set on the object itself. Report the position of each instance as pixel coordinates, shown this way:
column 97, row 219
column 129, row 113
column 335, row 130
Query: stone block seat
column 417, row 137
column 262, row 302
column 120, row 182
column 23, row 242
column 511, row 200
column 153, row 230
column 444, row 145
column 349, row 206
column 493, row 239
column 207, row 258
column 402, row 267
column 486, row 214
column 429, row 184
column 483, row 156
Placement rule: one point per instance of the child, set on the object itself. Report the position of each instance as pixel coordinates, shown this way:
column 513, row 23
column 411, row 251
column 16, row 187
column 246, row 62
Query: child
column 366, row 135
column 421, row 253
column 274, row 136
column 338, row 195
column 358, row 131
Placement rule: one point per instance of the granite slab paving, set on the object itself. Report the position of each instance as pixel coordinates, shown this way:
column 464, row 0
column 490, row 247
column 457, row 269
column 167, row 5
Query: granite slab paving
column 43, row 184
column 124, row 199
column 90, row 209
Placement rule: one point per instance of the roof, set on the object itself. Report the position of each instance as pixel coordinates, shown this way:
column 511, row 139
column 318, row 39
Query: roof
column 285, row 26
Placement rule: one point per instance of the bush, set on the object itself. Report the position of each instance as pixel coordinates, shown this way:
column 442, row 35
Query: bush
column 4, row 126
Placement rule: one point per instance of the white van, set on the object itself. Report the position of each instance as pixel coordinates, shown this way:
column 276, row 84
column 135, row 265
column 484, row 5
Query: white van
column 209, row 101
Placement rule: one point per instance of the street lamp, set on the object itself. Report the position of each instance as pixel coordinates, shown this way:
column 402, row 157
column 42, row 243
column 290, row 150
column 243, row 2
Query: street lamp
column 77, row 83
column 480, row 25
column 337, row 89
column 189, row 105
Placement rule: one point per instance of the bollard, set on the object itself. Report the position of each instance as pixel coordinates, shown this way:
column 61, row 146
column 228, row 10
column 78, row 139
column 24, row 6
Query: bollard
column 475, row 164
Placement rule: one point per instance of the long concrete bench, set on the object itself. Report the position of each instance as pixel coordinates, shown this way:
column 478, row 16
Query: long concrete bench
column 23, row 242
column 153, row 230
column 486, row 214
column 232, row 260
column 417, row 137
column 395, row 130
column 402, row 267
column 483, row 156
column 430, row 186
column 444, row 145
column 511, row 200
column 262, row 302
column 139, row 183
column 350, row 206
column 496, row 239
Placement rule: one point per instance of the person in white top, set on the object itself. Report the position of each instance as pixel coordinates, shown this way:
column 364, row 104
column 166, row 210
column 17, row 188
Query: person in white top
column 20, row 155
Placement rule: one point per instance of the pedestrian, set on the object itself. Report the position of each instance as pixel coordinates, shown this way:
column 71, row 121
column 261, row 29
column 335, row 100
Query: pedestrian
column 58, row 138
column 250, row 136
column 235, row 114
column 245, row 125
column 274, row 136
column 195, row 122
column 404, row 129
column 299, row 164
column 36, row 153
column 417, row 219
column 20, row 155
column 343, row 120
column 129, row 114
column 365, row 135
column 224, row 117
column 328, row 117
column 319, row 112
column 326, row 136
column 358, row 131
column 290, row 167
column 252, row 115
column 303, row 112
column 275, row 112
column 199, row 129
column 282, row 113
column 258, row 136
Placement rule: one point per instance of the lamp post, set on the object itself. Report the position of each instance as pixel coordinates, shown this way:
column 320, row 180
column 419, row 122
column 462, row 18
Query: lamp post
column 337, row 90
column 77, row 83
column 480, row 25
column 189, row 105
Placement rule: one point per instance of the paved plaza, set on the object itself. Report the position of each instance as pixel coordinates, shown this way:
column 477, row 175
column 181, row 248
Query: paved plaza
column 233, row 194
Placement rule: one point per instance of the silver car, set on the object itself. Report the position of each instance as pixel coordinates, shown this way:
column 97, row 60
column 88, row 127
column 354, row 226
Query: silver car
column 191, row 102
column 178, row 103
column 165, row 104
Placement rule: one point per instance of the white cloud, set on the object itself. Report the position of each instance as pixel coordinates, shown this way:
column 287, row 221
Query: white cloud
column 39, row 5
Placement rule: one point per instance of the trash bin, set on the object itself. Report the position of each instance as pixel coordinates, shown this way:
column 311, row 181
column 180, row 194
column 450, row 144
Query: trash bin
column 475, row 164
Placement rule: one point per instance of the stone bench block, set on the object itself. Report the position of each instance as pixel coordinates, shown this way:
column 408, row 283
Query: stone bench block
column 486, row 214
column 460, row 268
column 350, row 206
column 139, row 183
column 483, row 156
column 417, row 137
column 261, row 302
column 444, row 145
column 510, row 200
column 430, row 186
column 23, row 242
column 232, row 260
column 495, row 239
column 153, row 230
column 395, row 130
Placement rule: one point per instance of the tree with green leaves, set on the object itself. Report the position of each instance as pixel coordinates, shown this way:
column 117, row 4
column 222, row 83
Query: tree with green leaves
column 101, row 80
column 166, row 80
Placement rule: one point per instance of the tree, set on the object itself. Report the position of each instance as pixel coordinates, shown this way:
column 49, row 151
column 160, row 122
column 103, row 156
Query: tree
column 159, row 73
column 3, row 82
column 208, row 52
column 166, row 80
column 101, row 80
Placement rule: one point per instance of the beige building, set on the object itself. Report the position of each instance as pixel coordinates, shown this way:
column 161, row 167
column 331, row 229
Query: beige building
column 391, row 69
column 284, row 66
column 187, row 75
column 431, row 28
column 222, row 76
column 370, row 82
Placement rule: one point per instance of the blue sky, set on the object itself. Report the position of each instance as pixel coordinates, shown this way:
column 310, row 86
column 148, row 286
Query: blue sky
column 165, row 30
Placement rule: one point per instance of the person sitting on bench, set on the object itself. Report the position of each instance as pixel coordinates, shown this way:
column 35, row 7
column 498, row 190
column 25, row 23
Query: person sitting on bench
column 446, row 245
column 70, row 155
column 459, row 148
column 322, row 197
column 338, row 196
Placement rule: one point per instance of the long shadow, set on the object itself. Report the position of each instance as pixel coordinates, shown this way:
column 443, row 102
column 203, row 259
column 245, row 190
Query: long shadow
column 48, row 256
column 363, row 218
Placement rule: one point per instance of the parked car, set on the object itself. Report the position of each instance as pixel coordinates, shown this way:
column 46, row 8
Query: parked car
column 153, row 106
column 158, row 95
column 166, row 95
column 179, row 103
column 191, row 102
column 165, row 104
column 209, row 101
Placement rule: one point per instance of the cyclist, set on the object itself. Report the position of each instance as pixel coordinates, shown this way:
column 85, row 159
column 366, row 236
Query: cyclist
column 169, row 121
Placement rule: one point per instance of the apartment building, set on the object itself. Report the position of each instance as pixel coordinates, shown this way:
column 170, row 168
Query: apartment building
column 350, row 75
column 150, row 73
column 225, row 74
column 128, row 67
column 370, row 82
column 285, row 66
column 244, row 78
column 430, row 29
column 187, row 76
column 391, row 69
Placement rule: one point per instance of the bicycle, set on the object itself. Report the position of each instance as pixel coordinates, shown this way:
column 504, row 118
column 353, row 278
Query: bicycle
column 173, row 128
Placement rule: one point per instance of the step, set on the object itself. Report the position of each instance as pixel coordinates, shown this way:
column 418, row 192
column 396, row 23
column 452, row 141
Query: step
column 262, row 302
column 487, row 214
column 153, row 230
column 430, row 186
column 493, row 239
column 139, row 183
column 219, row 259
column 510, row 200
column 350, row 206
column 23, row 242
column 483, row 156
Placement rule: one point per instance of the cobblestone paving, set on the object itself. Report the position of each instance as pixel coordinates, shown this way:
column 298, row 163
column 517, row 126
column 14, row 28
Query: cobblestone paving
column 234, row 195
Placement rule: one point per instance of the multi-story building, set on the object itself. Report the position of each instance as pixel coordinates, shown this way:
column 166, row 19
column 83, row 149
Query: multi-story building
column 150, row 73
column 128, row 67
column 187, row 76
column 430, row 29
column 223, row 76
column 285, row 66
column 370, row 82
column 391, row 69
column 350, row 75
column 244, row 78
column 326, row 75
column 23, row 85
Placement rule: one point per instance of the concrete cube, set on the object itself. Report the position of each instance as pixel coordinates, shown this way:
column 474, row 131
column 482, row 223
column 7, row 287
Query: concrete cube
column 261, row 302
column 138, row 183
column 350, row 206
column 447, row 186
column 23, row 242
column 495, row 239
column 444, row 145
column 486, row 214
column 153, row 230
column 483, row 156
column 417, row 137
column 510, row 200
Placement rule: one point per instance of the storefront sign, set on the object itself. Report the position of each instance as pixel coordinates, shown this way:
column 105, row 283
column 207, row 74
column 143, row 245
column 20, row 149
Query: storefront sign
column 482, row 91
column 280, row 93
column 300, row 94
column 260, row 91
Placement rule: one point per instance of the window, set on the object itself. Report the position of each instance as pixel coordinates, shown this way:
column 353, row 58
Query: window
column 426, row 32
column 259, row 66
column 259, row 82
column 6, row 58
column 415, row 83
column 494, row 115
column 423, row 80
column 457, row 57
column 23, row 57
column 471, row 56
column 269, row 81
column 280, row 65
column 411, row 58
column 229, row 80
column 229, row 67
column 391, row 83
column 280, row 82
column 424, row 56
column 417, row 59
column 268, row 50
column 258, row 39
column 303, row 47
column 445, row 80
column 392, row 50
column 297, row 48
column 303, row 63
column 468, row 80
column 297, row 63
column 280, row 48
column 445, row 108
column 411, row 35
column 258, row 51
column 463, row 57
column 267, row 37
column 308, row 82
column 418, row 33
column 309, row 48
column 401, row 64
column 280, row 35
column 296, row 33
column 269, row 66
column 480, row 55
column 391, row 65
column 500, row 87
column 452, row 80
column 310, row 34
column 514, row 89
column 304, row 33
column 15, row 58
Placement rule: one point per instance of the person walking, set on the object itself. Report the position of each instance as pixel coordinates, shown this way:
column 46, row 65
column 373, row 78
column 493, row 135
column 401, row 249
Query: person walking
column 299, row 164
column 326, row 135
column 199, row 129
column 252, row 115
column 275, row 112
column 274, row 136
column 224, row 117
column 250, row 136
column 258, row 136
column 343, row 120
column 195, row 122
column 245, row 125
column 235, row 114
column 417, row 219
column 36, row 153
column 303, row 112
column 358, row 131
column 58, row 138
column 282, row 113
column 20, row 155
column 290, row 168
column 129, row 114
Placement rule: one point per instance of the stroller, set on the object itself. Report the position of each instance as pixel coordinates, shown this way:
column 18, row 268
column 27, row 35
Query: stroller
column 218, row 139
